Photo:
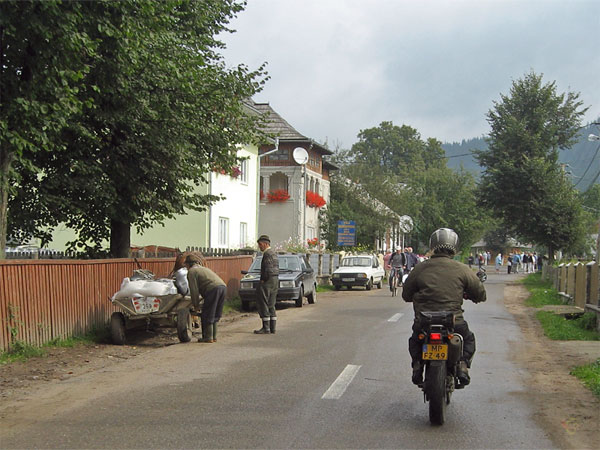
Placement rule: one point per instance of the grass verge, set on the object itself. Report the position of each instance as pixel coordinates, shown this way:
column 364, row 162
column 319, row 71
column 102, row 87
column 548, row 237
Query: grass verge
column 542, row 292
column 557, row 327
column 590, row 376
column 21, row 351
column 232, row 305
column 326, row 288
column 560, row 329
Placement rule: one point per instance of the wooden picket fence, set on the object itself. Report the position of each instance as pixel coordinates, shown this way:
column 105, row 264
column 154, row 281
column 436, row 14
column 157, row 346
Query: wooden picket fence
column 44, row 299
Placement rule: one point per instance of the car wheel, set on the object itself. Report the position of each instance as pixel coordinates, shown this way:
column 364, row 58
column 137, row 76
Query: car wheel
column 380, row 283
column 184, row 325
column 369, row 285
column 117, row 328
column 312, row 297
column 337, row 287
column 300, row 298
column 245, row 305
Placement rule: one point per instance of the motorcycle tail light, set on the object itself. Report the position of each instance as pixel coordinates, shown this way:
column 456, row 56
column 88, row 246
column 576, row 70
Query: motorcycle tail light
column 450, row 336
column 421, row 336
column 435, row 336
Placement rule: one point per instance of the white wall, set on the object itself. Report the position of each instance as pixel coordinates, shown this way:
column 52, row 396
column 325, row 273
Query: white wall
column 240, row 205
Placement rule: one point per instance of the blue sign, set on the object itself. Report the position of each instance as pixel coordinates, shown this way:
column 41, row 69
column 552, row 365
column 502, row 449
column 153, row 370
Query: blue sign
column 346, row 235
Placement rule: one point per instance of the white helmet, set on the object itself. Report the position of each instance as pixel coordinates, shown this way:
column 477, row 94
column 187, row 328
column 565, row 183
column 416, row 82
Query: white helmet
column 444, row 239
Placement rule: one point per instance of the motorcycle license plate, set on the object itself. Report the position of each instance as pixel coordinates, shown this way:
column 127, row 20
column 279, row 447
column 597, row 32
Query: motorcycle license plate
column 145, row 305
column 435, row 352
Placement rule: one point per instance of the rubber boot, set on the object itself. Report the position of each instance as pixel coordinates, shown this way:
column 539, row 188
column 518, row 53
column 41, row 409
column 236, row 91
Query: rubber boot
column 272, row 324
column 462, row 372
column 265, row 328
column 214, row 332
column 207, row 333
column 417, row 373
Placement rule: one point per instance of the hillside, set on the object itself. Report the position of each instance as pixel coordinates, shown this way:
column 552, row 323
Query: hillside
column 582, row 160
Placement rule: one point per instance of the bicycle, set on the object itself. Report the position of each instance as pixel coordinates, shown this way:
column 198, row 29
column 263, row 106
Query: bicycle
column 395, row 281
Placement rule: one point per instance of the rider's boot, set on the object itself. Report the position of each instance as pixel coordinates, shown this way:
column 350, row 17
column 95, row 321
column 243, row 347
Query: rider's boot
column 417, row 372
column 462, row 373
column 214, row 332
column 272, row 324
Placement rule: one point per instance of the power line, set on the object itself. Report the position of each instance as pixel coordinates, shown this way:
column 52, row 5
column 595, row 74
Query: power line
column 588, row 168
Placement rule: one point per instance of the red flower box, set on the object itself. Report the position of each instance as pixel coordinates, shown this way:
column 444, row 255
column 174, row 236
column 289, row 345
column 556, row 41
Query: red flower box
column 278, row 195
column 314, row 200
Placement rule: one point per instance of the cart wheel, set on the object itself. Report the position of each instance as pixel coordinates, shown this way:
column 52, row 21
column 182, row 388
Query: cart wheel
column 117, row 328
column 184, row 325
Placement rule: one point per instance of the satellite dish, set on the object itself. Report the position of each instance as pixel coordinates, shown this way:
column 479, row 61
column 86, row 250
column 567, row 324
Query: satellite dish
column 300, row 155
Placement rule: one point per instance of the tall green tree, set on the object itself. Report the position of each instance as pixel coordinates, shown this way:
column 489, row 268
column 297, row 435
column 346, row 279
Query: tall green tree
column 409, row 175
column 522, row 182
column 167, row 112
column 45, row 55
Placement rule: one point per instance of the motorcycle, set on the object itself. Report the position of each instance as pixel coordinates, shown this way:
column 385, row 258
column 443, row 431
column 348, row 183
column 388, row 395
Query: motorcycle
column 442, row 349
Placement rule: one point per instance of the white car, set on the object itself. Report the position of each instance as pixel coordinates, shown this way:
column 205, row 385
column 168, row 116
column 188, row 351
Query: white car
column 358, row 270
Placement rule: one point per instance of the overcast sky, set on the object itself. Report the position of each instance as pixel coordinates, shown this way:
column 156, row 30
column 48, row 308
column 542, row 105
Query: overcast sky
column 340, row 66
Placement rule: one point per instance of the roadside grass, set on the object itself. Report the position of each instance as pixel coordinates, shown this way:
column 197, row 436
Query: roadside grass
column 232, row 305
column 560, row 329
column 590, row 376
column 542, row 292
column 325, row 288
column 21, row 351
column 557, row 327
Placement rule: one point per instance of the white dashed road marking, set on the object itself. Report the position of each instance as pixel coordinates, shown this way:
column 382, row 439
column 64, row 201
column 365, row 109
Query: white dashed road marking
column 339, row 386
column 395, row 317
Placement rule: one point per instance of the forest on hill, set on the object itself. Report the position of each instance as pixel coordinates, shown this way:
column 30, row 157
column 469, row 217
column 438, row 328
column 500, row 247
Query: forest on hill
column 582, row 161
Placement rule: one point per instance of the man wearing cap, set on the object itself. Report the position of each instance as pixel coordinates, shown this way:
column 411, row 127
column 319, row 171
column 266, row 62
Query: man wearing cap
column 268, row 286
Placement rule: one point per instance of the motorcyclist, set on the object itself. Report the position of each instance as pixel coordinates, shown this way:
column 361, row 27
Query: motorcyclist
column 397, row 263
column 441, row 284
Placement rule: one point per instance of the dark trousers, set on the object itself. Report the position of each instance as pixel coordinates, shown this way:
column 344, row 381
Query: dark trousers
column 213, row 304
column 415, row 346
column 396, row 272
column 266, row 298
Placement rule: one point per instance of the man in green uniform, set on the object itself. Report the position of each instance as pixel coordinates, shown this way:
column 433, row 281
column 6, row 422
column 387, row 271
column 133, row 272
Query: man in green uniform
column 441, row 284
column 204, row 282
column 268, row 286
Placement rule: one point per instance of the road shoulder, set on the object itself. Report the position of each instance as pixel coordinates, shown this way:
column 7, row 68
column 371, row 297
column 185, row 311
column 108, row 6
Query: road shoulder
column 567, row 411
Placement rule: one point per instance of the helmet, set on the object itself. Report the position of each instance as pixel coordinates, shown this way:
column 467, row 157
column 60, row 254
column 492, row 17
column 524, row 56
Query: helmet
column 444, row 239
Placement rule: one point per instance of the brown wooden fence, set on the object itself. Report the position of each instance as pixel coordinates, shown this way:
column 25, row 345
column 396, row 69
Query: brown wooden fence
column 45, row 299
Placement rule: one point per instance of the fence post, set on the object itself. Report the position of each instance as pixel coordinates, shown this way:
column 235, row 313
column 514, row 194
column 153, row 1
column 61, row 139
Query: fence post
column 561, row 278
column 591, row 288
column 579, row 287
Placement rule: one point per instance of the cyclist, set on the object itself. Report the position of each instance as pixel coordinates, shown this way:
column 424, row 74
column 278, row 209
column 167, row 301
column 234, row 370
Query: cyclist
column 398, row 264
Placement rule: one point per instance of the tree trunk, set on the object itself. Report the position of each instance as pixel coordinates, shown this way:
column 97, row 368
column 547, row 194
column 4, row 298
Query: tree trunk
column 5, row 163
column 120, row 239
column 550, row 255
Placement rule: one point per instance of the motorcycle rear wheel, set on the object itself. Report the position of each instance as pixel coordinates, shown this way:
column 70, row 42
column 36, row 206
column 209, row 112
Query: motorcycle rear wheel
column 435, row 388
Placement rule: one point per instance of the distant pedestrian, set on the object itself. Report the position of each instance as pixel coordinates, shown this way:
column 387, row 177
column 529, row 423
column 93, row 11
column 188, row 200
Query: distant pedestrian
column 498, row 262
column 268, row 286
column 471, row 260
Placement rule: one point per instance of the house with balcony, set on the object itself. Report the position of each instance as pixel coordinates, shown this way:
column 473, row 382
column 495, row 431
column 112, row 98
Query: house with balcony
column 291, row 193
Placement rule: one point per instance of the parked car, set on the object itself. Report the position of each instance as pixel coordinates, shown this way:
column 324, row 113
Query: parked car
column 297, row 279
column 358, row 270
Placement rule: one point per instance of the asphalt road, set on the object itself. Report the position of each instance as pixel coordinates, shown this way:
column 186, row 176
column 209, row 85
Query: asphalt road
column 280, row 391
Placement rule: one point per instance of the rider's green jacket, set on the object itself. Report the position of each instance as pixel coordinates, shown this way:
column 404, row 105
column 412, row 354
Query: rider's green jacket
column 439, row 283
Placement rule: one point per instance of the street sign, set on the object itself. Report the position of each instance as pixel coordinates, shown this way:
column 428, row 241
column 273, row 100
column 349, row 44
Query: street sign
column 346, row 235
